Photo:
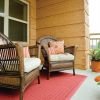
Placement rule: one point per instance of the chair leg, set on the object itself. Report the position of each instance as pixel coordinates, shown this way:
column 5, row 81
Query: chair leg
column 73, row 71
column 38, row 79
column 42, row 68
column 21, row 94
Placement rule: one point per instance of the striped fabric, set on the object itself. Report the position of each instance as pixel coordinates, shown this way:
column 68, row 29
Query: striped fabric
column 56, row 47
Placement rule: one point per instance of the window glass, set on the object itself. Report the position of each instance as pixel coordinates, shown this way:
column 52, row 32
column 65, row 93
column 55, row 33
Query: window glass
column 1, row 6
column 18, row 9
column 1, row 24
column 17, row 31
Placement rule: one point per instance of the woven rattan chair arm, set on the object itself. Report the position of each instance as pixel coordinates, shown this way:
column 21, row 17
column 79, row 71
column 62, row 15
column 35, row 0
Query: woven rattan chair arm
column 70, row 49
column 33, row 46
column 19, row 49
column 33, row 49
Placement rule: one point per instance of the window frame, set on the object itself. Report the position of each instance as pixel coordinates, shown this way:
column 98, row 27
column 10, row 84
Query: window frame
column 6, row 17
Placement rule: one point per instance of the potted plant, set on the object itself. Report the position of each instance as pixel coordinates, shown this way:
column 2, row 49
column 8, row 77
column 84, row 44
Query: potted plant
column 95, row 59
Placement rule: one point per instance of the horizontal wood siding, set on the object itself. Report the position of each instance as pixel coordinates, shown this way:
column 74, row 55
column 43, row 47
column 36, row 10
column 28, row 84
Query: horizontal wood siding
column 59, row 8
column 74, row 30
column 61, row 19
column 32, row 21
column 80, row 41
column 67, row 20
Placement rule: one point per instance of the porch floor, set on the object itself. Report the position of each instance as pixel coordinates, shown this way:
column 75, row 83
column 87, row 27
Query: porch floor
column 89, row 90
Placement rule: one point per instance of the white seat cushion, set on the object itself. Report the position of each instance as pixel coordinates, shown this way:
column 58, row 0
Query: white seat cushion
column 61, row 57
column 31, row 63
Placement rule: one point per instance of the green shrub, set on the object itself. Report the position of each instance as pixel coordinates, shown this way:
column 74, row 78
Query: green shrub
column 95, row 54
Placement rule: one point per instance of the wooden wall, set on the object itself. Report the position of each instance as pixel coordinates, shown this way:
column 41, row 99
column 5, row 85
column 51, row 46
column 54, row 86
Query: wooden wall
column 68, row 20
column 32, row 21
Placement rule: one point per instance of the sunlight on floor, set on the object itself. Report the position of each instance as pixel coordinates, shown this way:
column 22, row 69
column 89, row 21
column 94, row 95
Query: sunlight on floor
column 89, row 90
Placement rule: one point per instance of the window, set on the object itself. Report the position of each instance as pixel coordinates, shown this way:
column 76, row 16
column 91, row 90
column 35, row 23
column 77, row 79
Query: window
column 1, row 6
column 1, row 17
column 14, row 21
column 1, row 24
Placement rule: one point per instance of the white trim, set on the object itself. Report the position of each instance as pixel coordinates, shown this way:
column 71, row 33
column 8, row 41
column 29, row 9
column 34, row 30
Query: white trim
column 6, row 17
column 18, row 20
column 24, row 1
column 6, row 12
column 28, row 22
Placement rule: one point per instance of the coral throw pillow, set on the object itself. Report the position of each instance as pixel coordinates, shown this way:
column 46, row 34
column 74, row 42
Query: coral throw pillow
column 56, row 47
column 26, row 52
column 51, row 50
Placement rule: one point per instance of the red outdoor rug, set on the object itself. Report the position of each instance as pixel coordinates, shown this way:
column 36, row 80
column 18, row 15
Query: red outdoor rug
column 61, row 86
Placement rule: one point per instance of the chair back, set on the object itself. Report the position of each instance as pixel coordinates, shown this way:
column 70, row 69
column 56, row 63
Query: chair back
column 45, row 40
column 9, row 63
column 4, row 39
column 42, row 43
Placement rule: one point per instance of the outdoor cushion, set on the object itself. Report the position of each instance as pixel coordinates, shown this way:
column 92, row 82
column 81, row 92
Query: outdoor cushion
column 61, row 57
column 31, row 63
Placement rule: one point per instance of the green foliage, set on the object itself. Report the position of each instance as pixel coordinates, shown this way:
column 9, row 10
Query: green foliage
column 98, row 45
column 95, row 54
column 98, row 83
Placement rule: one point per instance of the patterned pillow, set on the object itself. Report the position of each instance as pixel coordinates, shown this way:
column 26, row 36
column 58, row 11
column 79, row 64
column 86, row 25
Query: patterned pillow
column 26, row 52
column 55, row 43
column 51, row 50
column 56, row 47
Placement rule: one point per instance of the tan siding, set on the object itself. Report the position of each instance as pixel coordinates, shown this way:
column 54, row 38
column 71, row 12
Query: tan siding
column 33, row 14
column 68, row 20
column 83, row 59
column 86, row 30
column 43, row 3
column 60, row 8
column 81, row 54
column 74, row 30
column 32, row 21
column 32, row 35
column 86, row 19
column 61, row 19
column 80, row 66
column 80, row 41
column 32, row 42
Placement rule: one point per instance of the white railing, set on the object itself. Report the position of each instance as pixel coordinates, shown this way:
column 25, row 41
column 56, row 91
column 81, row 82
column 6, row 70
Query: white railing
column 94, row 40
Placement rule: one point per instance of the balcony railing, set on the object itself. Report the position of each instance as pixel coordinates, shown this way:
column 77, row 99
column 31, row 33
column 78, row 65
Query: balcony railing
column 94, row 40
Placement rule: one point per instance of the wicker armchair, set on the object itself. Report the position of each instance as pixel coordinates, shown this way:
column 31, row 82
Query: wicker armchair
column 12, row 71
column 55, row 65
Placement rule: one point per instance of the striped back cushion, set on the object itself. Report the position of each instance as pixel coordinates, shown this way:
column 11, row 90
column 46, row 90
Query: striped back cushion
column 56, row 47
